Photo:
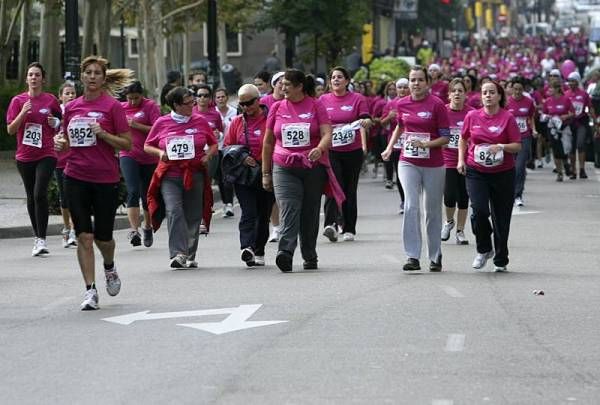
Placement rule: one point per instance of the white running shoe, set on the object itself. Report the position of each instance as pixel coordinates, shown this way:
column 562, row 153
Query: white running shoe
column 500, row 269
column 348, row 237
column 259, row 260
column 191, row 264
column 330, row 233
column 39, row 247
column 461, row 239
column 72, row 241
column 274, row 236
column 448, row 226
column 203, row 229
column 65, row 237
column 228, row 211
column 179, row 262
column 481, row 259
column 90, row 300
column 519, row 202
column 113, row 282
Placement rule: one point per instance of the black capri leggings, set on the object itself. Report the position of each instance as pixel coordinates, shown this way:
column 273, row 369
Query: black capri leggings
column 59, row 175
column 86, row 199
column 36, row 176
column 455, row 190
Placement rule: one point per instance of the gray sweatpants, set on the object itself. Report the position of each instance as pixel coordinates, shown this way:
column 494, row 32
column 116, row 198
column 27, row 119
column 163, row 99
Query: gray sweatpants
column 429, row 183
column 184, row 214
column 298, row 194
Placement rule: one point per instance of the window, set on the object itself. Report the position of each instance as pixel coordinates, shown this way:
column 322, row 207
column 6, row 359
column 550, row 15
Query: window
column 234, row 41
column 132, row 48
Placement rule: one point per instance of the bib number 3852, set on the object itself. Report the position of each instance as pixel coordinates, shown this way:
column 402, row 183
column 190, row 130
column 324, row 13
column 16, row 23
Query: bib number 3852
column 485, row 157
column 32, row 135
column 181, row 148
column 295, row 135
column 80, row 133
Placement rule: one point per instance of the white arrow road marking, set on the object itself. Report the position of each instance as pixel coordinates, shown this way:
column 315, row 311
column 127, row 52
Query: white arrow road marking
column 237, row 319
column 455, row 343
column 451, row 291
column 442, row 402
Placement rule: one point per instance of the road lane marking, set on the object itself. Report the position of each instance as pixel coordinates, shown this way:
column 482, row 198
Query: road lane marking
column 442, row 402
column 237, row 319
column 453, row 292
column 392, row 259
column 56, row 303
column 455, row 343
column 519, row 211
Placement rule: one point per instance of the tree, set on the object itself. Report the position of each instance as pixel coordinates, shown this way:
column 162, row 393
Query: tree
column 24, row 39
column 9, row 13
column 333, row 24
column 50, row 40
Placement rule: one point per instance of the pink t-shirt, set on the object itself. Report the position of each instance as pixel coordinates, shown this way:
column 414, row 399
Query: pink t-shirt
column 256, row 133
column 523, row 110
column 38, row 142
column 343, row 110
column 474, row 99
column 61, row 163
column 440, row 90
column 166, row 131
column 214, row 120
column 268, row 100
column 560, row 105
column 481, row 130
column 424, row 119
column 456, row 119
column 296, row 126
column 146, row 113
column 95, row 163
column 580, row 100
column 389, row 128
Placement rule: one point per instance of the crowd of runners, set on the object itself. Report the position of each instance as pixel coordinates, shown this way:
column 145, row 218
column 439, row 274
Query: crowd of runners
column 455, row 131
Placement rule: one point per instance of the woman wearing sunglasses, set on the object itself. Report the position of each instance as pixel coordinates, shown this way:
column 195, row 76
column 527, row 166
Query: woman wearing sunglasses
column 180, row 180
column 249, row 129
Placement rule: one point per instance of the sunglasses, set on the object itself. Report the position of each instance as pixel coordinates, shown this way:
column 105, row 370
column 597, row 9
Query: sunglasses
column 247, row 103
column 204, row 95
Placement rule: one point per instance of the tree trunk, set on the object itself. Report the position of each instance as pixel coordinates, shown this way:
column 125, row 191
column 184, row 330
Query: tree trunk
column 159, row 47
column 89, row 13
column 141, row 48
column 50, row 41
column 290, row 48
column 222, row 47
column 103, row 25
column 148, row 45
column 187, row 51
column 3, row 52
column 24, row 40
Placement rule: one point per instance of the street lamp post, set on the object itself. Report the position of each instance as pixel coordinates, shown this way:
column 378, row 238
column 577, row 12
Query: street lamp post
column 212, row 42
column 72, row 50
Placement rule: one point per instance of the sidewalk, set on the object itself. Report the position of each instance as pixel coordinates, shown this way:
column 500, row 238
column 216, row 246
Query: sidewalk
column 14, row 220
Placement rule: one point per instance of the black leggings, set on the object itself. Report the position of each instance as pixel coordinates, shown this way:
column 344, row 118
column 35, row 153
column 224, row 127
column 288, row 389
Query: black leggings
column 455, row 190
column 36, row 177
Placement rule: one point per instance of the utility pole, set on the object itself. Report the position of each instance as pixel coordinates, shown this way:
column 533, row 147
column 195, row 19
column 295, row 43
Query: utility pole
column 72, row 50
column 212, row 43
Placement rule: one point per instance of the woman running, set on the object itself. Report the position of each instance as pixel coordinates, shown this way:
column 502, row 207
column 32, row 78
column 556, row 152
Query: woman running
column 66, row 93
column 95, row 126
column 455, row 189
column 34, row 116
column 557, row 112
column 523, row 109
column 136, row 165
column 425, row 126
column 180, row 179
column 489, row 139
column 349, row 116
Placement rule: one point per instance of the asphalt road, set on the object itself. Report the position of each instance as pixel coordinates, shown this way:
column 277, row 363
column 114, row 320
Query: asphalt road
column 358, row 330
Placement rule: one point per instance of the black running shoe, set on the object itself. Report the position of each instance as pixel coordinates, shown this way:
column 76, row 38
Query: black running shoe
column 411, row 265
column 283, row 260
column 310, row 264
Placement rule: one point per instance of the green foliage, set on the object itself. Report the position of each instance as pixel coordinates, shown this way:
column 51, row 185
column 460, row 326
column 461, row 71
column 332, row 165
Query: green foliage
column 336, row 23
column 383, row 69
column 7, row 142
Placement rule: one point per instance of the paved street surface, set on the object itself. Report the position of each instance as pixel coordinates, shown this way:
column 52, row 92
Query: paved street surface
column 358, row 330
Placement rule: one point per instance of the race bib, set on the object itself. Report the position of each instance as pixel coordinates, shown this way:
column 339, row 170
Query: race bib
column 295, row 135
column 578, row 106
column 410, row 151
column 80, row 133
column 522, row 124
column 33, row 135
column 181, row 147
column 342, row 135
column 454, row 138
column 484, row 157
column 399, row 142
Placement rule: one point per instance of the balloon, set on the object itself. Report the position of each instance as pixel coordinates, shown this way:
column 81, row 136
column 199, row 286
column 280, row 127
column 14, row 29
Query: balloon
column 567, row 67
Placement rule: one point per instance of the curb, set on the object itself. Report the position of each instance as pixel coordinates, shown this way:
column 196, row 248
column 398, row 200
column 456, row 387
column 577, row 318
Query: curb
column 121, row 222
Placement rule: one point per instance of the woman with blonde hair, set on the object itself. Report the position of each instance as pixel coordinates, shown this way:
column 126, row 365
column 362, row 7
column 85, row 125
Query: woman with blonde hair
column 95, row 126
